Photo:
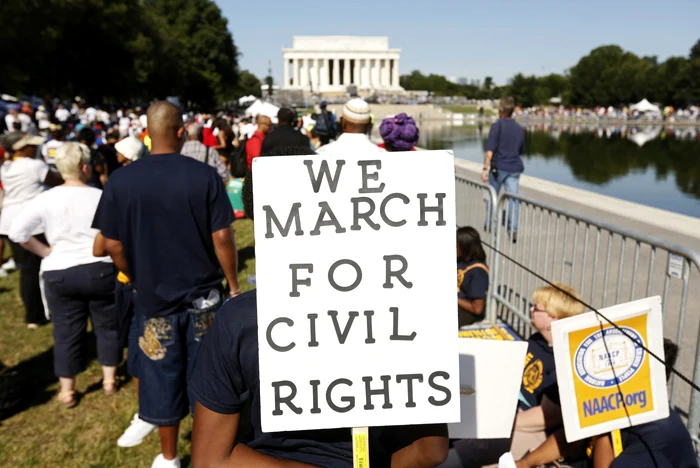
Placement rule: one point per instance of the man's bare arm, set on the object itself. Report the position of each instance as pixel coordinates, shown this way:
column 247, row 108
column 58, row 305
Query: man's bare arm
column 225, row 248
column 213, row 444
column 114, row 249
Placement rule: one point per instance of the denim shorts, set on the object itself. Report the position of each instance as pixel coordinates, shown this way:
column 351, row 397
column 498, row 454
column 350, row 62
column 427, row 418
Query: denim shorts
column 166, row 352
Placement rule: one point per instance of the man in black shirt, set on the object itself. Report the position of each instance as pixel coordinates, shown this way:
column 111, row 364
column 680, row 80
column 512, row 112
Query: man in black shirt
column 285, row 135
column 167, row 221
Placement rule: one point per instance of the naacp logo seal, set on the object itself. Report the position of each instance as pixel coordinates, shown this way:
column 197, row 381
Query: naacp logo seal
column 597, row 366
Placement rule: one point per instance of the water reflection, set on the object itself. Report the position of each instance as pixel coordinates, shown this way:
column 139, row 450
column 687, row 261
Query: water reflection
column 655, row 165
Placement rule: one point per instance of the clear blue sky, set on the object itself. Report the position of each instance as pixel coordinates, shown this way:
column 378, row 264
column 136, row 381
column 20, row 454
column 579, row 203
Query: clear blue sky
column 466, row 38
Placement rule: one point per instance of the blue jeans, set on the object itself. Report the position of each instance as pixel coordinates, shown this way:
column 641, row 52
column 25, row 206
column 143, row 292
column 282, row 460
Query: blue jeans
column 510, row 181
column 167, row 351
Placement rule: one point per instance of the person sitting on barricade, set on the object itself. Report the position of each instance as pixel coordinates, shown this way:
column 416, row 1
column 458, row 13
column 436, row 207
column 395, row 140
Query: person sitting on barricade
column 540, row 414
column 227, row 424
column 472, row 277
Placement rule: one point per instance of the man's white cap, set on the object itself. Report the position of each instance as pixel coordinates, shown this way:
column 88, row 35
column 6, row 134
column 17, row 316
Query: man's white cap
column 356, row 110
column 130, row 147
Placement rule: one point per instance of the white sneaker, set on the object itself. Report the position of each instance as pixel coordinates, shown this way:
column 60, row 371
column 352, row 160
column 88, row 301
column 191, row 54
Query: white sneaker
column 9, row 265
column 135, row 433
column 3, row 273
column 161, row 462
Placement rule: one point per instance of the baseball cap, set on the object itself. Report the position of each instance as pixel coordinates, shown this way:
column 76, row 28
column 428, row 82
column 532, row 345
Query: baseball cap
column 130, row 147
column 17, row 140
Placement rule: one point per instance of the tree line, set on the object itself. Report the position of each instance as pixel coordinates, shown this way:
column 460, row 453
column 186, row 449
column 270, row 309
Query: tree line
column 608, row 75
column 119, row 50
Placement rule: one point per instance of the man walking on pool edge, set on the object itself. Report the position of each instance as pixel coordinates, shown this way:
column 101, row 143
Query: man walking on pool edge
column 167, row 221
column 503, row 163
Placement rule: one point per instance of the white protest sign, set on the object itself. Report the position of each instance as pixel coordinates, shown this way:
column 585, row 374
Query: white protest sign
column 606, row 380
column 490, row 372
column 355, row 259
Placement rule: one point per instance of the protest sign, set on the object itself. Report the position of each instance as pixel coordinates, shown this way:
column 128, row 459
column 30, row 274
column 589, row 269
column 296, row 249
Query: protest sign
column 357, row 316
column 488, row 398
column 606, row 379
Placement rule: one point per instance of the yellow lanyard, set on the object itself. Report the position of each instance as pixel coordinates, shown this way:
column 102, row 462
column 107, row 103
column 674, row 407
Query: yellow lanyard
column 617, row 442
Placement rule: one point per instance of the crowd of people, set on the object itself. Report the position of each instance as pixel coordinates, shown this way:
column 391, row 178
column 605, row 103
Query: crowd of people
column 128, row 223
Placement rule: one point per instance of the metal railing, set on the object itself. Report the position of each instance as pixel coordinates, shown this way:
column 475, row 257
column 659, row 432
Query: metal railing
column 606, row 264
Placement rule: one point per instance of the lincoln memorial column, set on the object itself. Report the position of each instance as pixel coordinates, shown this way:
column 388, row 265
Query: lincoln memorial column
column 356, row 76
column 295, row 71
column 395, row 79
column 346, row 71
column 336, row 74
column 286, row 72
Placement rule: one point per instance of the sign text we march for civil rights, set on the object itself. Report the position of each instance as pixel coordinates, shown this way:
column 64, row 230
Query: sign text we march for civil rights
column 355, row 261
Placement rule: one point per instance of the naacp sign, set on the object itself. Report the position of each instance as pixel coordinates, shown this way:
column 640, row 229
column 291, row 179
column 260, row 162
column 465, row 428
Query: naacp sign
column 357, row 320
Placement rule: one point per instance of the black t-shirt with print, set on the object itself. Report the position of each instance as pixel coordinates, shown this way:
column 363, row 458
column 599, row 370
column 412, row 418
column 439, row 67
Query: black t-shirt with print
column 226, row 380
column 540, row 375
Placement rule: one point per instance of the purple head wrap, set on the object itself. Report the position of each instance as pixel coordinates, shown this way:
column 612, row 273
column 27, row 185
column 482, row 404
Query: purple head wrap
column 400, row 133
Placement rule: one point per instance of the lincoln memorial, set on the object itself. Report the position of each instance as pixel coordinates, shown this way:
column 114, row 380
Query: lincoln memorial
column 329, row 64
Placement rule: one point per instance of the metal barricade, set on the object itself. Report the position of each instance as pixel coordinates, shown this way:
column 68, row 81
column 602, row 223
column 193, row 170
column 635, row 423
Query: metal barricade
column 606, row 264
column 475, row 203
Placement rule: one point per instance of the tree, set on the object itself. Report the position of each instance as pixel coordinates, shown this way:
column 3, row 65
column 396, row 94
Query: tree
column 249, row 84
column 117, row 50
column 695, row 51
column 488, row 83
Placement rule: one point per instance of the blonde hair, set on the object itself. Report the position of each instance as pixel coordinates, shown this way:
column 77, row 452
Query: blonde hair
column 559, row 302
column 69, row 158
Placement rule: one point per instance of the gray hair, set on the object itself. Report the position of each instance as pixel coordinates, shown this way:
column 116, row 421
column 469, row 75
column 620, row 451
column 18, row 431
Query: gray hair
column 69, row 159
column 193, row 130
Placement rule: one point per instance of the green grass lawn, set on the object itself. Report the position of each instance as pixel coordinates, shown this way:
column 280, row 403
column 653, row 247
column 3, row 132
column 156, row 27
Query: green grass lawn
column 467, row 110
column 42, row 433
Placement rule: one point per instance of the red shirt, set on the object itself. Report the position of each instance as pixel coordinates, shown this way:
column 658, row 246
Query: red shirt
column 254, row 146
column 382, row 145
column 208, row 138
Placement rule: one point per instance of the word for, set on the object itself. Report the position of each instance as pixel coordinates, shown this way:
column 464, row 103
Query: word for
column 345, row 403
column 341, row 334
column 613, row 402
column 363, row 208
column 388, row 284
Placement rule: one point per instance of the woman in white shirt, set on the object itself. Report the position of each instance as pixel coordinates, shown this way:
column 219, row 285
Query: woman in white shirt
column 77, row 283
column 23, row 178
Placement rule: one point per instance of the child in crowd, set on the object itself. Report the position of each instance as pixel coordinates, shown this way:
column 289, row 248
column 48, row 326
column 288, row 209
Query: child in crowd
column 540, row 414
column 227, row 425
column 472, row 277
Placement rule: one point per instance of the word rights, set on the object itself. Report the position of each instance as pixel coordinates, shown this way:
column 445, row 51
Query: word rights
column 357, row 313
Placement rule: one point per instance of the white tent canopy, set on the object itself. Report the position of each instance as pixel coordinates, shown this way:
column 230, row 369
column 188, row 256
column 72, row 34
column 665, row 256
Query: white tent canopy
column 245, row 99
column 263, row 108
column 645, row 106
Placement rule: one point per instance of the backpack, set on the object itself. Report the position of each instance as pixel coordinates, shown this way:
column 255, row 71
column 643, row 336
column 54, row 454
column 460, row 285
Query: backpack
column 462, row 273
column 323, row 125
column 239, row 160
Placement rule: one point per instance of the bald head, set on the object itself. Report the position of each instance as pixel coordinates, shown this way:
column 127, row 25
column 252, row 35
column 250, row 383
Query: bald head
column 264, row 123
column 165, row 127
